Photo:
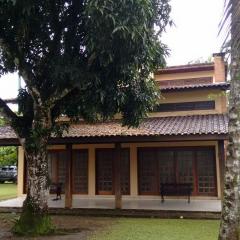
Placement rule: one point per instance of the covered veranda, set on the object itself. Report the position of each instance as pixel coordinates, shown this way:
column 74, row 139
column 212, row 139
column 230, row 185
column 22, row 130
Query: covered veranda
column 149, row 203
column 151, row 134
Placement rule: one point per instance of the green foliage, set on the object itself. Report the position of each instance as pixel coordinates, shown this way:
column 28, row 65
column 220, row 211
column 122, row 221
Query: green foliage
column 201, row 60
column 85, row 59
column 8, row 156
column 2, row 122
column 101, row 51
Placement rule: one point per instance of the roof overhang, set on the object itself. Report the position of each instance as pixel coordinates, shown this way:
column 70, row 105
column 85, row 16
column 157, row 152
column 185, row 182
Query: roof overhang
column 138, row 139
column 186, row 68
column 157, row 129
column 124, row 139
column 9, row 142
column 223, row 87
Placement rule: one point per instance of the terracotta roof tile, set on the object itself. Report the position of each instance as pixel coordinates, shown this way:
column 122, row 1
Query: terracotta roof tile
column 186, row 68
column 165, row 126
column 189, row 65
column 179, row 125
column 6, row 132
column 223, row 86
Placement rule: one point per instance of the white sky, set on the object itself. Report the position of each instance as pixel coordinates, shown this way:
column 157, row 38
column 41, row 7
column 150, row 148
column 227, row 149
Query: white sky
column 196, row 30
column 194, row 36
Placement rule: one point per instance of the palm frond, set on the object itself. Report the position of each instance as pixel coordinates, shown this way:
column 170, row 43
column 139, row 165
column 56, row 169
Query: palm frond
column 230, row 25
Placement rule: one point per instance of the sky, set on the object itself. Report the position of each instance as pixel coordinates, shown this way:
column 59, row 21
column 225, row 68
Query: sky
column 194, row 36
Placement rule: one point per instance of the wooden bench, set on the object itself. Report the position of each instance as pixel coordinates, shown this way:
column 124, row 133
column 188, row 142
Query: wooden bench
column 176, row 189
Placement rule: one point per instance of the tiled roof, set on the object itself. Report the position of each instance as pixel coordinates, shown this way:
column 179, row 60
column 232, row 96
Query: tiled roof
column 6, row 132
column 160, row 126
column 187, row 68
column 179, row 125
column 223, row 86
column 189, row 65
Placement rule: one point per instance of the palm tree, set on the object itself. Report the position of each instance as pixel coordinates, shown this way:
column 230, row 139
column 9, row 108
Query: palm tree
column 230, row 219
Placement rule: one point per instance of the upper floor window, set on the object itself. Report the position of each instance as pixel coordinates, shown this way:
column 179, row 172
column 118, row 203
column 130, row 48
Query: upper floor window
column 185, row 106
column 185, row 82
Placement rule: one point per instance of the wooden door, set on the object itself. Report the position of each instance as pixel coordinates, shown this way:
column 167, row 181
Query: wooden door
column 80, row 171
column 166, row 164
column 52, row 166
column 185, row 167
column 104, row 171
column 125, row 171
column 206, row 172
column 195, row 165
column 57, row 160
column 147, row 172
column 62, row 160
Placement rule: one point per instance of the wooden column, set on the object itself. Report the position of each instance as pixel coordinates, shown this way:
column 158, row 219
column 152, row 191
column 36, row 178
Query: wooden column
column 68, row 182
column 221, row 157
column 133, row 171
column 20, row 176
column 117, row 176
column 91, row 171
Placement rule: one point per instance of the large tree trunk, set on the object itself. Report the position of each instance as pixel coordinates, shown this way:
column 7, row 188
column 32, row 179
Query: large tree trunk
column 34, row 219
column 37, row 185
column 229, row 228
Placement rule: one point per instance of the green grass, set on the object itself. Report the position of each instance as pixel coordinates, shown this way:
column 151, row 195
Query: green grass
column 8, row 190
column 159, row 229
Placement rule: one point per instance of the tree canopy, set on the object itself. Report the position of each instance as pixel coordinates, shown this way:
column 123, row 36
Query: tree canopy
column 87, row 59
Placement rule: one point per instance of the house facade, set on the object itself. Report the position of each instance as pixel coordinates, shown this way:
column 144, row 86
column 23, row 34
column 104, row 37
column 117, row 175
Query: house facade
column 182, row 141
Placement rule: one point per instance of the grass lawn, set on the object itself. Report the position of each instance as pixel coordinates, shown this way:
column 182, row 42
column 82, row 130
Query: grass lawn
column 105, row 228
column 8, row 190
column 155, row 229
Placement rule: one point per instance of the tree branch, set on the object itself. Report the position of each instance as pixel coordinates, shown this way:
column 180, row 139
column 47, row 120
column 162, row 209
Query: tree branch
column 24, row 69
column 7, row 112
column 14, row 121
column 32, row 90
column 56, row 97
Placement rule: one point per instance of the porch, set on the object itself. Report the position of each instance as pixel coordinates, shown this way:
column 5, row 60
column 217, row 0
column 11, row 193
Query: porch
column 140, row 203
column 128, row 176
column 124, row 172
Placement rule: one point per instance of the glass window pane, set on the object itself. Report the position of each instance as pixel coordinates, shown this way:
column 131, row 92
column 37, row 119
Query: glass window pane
column 80, row 171
column 166, row 166
column 206, row 171
column 185, row 166
column 147, row 167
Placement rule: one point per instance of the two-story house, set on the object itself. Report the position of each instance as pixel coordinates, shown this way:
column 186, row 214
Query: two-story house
column 182, row 141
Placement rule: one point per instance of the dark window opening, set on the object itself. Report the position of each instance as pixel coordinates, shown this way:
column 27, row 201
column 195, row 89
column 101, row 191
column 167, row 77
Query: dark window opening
column 194, row 165
column 105, row 171
column 185, row 106
column 80, row 171
column 57, row 167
